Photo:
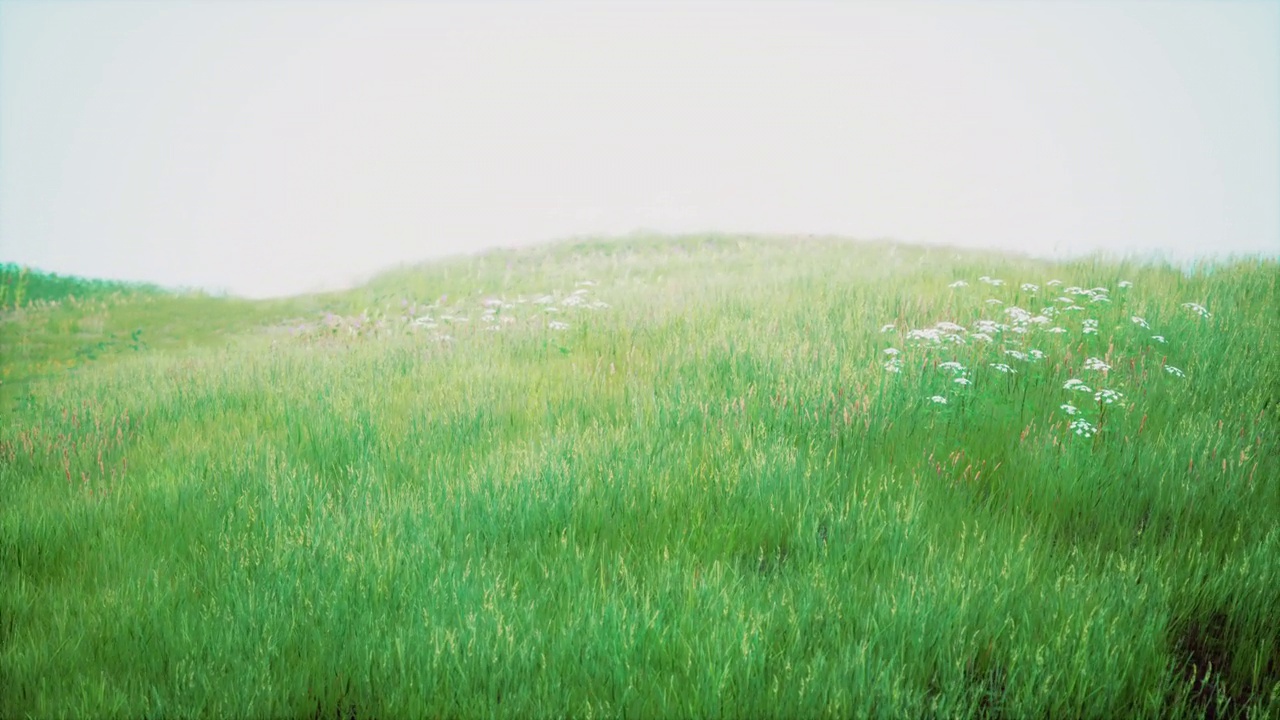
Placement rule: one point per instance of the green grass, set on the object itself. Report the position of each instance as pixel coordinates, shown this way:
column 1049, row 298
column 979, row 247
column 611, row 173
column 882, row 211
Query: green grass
column 709, row 498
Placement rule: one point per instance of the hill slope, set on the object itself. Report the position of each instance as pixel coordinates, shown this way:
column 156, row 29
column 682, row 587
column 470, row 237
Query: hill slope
column 661, row 477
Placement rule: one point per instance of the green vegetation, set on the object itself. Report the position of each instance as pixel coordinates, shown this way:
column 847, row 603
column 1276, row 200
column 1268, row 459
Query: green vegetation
column 732, row 477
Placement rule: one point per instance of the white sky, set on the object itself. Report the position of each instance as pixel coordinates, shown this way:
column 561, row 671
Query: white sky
column 272, row 147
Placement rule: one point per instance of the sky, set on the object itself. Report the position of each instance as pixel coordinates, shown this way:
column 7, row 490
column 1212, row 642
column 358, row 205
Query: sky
column 279, row 146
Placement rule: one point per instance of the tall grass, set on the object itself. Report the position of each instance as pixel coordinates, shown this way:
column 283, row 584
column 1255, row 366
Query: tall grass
column 710, row 493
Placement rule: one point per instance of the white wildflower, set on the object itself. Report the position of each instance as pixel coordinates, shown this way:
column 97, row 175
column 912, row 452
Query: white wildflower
column 1174, row 371
column 1094, row 363
column 1107, row 396
column 929, row 334
column 887, row 328
column 1030, row 287
column 1016, row 354
column 893, row 366
column 1199, row 309
column 1140, row 322
column 1017, row 314
column 1069, row 409
column 891, row 351
column 993, row 301
column 938, row 399
column 952, row 365
column 1036, row 354
column 586, row 283
column 958, row 284
column 1053, row 283
column 557, row 325
column 1077, row 385
column 1126, row 284
column 981, row 336
column 1083, row 428
column 961, row 381
column 1003, row 368
column 1158, row 338
column 1057, row 330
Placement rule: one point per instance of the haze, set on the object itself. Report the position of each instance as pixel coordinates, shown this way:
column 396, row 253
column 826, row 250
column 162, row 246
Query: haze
column 269, row 148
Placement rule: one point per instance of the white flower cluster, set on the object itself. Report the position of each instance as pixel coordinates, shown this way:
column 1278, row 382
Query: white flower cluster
column 1198, row 309
column 1094, row 363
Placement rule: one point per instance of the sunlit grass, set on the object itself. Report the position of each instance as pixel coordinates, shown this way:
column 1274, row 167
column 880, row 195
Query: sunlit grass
column 660, row 477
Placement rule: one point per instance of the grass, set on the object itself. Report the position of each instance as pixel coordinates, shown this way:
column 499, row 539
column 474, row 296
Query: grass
column 713, row 493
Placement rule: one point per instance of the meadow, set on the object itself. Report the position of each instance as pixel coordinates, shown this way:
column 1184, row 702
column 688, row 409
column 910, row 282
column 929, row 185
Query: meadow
column 649, row 477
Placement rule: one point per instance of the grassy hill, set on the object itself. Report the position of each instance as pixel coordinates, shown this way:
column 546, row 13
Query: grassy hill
column 714, row 476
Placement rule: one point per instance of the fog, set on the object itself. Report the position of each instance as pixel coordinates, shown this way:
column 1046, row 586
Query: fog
column 265, row 148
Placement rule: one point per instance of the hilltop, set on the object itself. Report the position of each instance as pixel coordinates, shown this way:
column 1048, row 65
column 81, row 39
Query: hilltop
column 660, row 477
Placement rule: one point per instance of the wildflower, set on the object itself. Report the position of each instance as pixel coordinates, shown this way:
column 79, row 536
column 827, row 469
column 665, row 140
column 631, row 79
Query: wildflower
column 1094, row 363
column 1140, row 322
column 1038, row 320
column 544, row 300
column 1076, row 384
column 1015, row 354
column 1089, row 330
column 1083, row 428
column 1174, row 371
column 993, row 301
column 887, row 328
column 1003, row 368
column 1057, row 330
column 1126, row 284
column 1030, row 287
column 961, row 381
column 1107, row 396
column 891, row 351
column 573, row 301
column 1199, row 309
column 1036, row 354
column 599, row 305
column 958, row 284
column 988, row 326
column 981, row 336
column 1069, row 409
column 939, row 399
column 1017, row 314
column 1072, row 308
column 927, row 334
column 952, row 365
column 586, row 283
column 1100, row 299
column 1053, row 283
column 949, row 327
column 557, row 325
column 893, row 366
column 1158, row 338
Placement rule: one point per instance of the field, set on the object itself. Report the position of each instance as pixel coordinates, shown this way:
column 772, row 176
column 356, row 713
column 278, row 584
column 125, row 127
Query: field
column 651, row 477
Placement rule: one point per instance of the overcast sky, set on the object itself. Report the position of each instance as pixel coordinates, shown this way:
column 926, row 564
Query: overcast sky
column 272, row 147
